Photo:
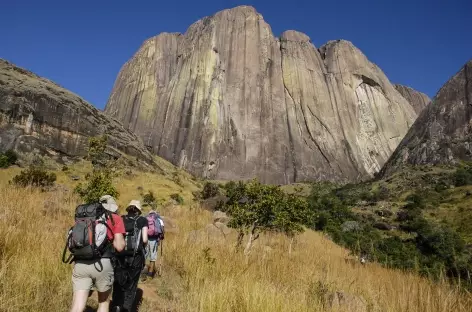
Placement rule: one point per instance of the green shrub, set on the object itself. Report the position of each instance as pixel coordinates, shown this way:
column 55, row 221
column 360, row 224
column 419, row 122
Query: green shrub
column 96, row 151
column 99, row 183
column 36, row 177
column 210, row 190
column 8, row 158
column 149, row 199
column 176, row 178
column 4, row 161
column 415, row 201
column 463, row 176
column 178, row 198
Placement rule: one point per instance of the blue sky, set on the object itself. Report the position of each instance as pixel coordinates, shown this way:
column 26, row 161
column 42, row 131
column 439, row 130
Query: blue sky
column 82, row 45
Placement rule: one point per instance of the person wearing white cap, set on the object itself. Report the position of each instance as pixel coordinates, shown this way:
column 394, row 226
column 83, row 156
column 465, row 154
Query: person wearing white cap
column 131, row 261
column 99, row 272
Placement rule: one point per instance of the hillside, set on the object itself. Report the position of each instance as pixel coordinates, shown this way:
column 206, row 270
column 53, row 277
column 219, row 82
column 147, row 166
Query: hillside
column 37, row 116
column 442, row 132
column 228, row 100
column 201, row 270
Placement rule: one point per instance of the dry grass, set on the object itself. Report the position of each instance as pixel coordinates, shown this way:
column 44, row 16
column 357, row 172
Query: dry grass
column 33, row 226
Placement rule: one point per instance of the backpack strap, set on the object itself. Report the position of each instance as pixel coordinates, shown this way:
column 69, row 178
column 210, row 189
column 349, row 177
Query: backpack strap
column 70, row 259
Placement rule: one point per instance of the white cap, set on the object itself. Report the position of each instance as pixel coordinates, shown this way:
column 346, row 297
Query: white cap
column 109, row 203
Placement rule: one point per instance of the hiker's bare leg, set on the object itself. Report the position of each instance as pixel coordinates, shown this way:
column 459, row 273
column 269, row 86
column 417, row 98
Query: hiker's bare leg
column 152, row 267
column 103, row 303
column 79, row 300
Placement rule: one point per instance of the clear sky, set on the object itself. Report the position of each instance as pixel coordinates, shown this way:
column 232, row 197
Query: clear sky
column 82, row 45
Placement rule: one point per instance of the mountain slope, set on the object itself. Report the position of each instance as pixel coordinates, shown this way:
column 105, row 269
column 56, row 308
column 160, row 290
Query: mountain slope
column 37, row 115
column 417, row 99
column 228, row 100
column 442, row 133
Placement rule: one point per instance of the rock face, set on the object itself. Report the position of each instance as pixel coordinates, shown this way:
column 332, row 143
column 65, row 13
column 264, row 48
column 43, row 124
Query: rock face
column 417, row 99
column 228, row 100
column 442, row 133
column 38, row 116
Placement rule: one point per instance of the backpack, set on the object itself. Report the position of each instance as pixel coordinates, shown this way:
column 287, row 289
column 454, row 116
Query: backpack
column 87, row 238
column 154, row 225
column 133, row 237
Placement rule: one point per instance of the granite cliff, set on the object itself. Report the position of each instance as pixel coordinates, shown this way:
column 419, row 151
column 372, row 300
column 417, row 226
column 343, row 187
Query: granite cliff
column 229, row 100
column 38, row 116
column 442, row 133
column 417, row 99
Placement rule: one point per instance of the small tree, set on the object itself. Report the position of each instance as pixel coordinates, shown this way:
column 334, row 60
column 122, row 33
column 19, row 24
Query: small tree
column 150, row 200
column 256, row 208
column 210, row 190
column 99, row 183
column 96, row 151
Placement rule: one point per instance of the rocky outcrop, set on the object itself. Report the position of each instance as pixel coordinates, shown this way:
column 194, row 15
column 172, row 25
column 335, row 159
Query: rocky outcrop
column 228, row 100
column 38, row 116
column 442, row 133
column 417, row 99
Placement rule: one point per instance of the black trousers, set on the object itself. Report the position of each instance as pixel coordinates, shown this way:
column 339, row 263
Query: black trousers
column 127, row 273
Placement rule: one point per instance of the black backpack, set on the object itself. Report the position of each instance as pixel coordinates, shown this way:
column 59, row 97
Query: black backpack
column 87, row 239
column 133, row 237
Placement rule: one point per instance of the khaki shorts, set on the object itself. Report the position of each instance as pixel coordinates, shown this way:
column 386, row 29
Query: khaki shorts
column 98, row 273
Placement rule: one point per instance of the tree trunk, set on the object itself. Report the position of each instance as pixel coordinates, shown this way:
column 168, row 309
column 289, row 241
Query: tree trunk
column 239, row 242
column 252, row 237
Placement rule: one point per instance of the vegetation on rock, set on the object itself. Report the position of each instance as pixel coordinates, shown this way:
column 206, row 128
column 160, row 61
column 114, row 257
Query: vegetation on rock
column 8, row 158
column 100, row 180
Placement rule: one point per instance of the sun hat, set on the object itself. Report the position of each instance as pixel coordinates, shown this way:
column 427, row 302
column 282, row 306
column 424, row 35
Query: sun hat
column 109, row 203
column 135, row 203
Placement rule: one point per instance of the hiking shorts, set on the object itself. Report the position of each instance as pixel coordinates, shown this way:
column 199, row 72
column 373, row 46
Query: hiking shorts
column 151, row 249
column 98, row 273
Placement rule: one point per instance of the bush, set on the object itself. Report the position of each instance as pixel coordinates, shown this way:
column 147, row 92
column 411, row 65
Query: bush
column 210, row 190
column 463, row 176
column 99, row 183
column 96, row 151
column 8, row 158
column 178, row 198
column 415, row 201
column 149, row 199
column 36, row 177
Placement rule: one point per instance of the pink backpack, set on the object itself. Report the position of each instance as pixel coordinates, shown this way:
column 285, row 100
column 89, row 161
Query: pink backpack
column 154, row 225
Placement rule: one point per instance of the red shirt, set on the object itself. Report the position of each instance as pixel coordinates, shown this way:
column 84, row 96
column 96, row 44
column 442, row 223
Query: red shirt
column 118, row 228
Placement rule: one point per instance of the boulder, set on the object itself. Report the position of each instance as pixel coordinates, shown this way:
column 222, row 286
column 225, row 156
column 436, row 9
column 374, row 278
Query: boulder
column 384, row 213
column 350, row 226
column 214, row 202
column 382, row 226
column 342, row 301
column 219, row 216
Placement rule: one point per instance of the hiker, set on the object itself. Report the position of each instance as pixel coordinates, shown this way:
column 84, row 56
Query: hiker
column 97, row 232
column 130, row 262
column 155, row 234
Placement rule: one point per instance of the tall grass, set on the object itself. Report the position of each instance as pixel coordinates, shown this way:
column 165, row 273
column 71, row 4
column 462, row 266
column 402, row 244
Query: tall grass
column 201, row 273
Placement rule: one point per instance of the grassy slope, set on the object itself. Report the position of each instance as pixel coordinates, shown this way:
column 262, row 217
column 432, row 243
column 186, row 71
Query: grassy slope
column 452, row 206
column 33, row 225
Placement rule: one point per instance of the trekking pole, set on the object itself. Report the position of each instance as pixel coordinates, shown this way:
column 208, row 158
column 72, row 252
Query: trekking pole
column 160, row 260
